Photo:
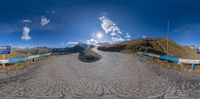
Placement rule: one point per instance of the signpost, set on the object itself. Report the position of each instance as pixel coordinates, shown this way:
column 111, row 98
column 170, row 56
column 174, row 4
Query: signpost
column 198, row 50
column 5, row 50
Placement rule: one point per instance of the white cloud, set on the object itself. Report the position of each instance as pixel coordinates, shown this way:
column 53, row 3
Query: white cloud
column 92, row 42
column 69, row 44
column 109, row 26
column 62, row 43
column 26, row 21
column 143, row 36
column 44, row 21
column 117, row 38
column 113, row 34
column 127, row 36
column 25, row 35
column 113, row 30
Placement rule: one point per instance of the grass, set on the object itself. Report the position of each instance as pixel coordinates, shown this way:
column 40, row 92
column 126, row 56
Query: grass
column 153, row 45
column 14, row 54
column 19, row 65
column 157, row 46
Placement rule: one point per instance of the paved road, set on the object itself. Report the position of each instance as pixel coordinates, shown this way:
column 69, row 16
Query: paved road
column 115, row 75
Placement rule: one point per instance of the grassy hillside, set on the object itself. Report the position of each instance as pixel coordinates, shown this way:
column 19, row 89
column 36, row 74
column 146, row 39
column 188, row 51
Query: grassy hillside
column 157, row 46
column 153, row 45
column 33, row 51
column 17, row 53
column 14, row 54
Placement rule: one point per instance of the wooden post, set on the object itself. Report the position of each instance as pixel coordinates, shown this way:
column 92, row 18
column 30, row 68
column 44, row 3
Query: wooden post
column 33, row 60
column 3, row 59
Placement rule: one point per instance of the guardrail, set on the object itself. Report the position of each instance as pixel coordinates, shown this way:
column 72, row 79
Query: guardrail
column 14, row 60
column 193, row 62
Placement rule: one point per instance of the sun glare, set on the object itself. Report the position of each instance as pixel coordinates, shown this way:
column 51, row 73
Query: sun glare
column 99, row 35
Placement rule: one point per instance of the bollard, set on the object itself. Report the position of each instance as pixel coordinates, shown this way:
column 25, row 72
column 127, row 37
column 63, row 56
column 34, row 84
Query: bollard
column 4, row 63
column 33, row 60
column 193, row 67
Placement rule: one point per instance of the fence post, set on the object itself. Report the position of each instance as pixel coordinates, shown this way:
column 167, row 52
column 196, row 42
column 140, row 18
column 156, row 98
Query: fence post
column 33, row 60
column 193, row 67
column 4, row 63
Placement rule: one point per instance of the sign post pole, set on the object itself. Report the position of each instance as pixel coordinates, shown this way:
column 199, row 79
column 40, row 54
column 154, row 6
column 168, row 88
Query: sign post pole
column 5, row 50
column 3, row 58
column 33, row 60
column 193, row 67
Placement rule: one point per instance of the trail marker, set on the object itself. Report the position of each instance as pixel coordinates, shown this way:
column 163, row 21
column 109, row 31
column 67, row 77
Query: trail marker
column 198, row 50
column 5, row 50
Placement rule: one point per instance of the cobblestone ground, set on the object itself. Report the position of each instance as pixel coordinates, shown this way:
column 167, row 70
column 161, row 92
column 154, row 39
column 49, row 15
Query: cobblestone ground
column 115, row 75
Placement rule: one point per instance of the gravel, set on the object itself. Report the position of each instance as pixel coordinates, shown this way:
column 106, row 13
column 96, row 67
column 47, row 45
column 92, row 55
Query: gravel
column 116, row 75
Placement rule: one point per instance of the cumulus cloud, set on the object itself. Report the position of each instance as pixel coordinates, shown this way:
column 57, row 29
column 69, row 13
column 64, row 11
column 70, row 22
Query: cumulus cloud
column 109, row 26
column 113, row 30
column 128, row 36
column 26, row 21
column 92, row 42
column 117, row 38
column 44, row 21
column 25, row 35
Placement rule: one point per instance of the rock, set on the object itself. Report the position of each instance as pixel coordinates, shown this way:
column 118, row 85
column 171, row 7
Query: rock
column 89, row 56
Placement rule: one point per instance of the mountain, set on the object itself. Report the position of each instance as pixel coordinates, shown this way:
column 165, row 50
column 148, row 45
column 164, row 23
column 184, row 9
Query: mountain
column 103, row 43
column 84, row 45
column 36, row 50
column 77, row 48
column 152, row 45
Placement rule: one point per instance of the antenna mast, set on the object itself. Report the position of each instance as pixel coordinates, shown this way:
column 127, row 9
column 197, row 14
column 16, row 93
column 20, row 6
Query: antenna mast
column 168, row 37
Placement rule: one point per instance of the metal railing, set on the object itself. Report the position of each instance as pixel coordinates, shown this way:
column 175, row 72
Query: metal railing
column 193, row 62
column 15, row 60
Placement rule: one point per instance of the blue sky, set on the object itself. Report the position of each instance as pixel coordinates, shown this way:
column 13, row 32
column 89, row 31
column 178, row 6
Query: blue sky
column 57, row 23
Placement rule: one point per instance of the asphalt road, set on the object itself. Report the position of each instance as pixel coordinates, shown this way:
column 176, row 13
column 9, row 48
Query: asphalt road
column 116, row 75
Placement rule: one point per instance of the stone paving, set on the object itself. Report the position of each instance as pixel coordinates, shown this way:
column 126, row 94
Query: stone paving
column 116, row 75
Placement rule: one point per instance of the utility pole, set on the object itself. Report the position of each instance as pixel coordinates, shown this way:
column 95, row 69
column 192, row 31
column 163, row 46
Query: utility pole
column 38, row 45
column 3, row 59
column 168, row 38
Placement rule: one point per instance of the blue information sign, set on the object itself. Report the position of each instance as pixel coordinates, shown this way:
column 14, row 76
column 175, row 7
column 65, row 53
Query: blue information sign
column 198, row 50
column 5, row 49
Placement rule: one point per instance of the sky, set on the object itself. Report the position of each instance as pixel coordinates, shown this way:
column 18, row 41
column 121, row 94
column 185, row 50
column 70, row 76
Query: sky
column 61, row 23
